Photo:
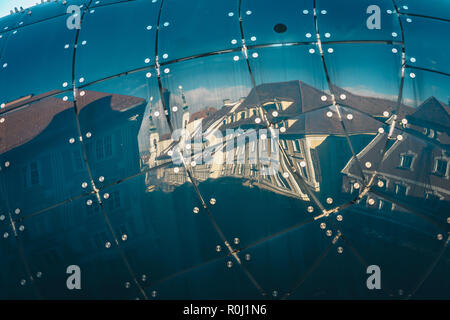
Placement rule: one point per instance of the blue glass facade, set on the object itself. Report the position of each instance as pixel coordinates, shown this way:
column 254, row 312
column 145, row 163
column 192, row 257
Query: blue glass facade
column 238, row 149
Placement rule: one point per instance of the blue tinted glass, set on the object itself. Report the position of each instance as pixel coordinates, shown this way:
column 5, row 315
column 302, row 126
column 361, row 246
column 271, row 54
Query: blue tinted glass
column 118, row 119
column 52, row 70
column 371, row 72
column 275, row 22
column 199, row 88
column 229, row 281
column 320, row 280
column 314, row 249
column 431, row 8
column 362, row 20
column 98, row 3
column 183, row 34
column 421, row 85
column 424, row 43
column 75, row 234
column 106, row 49
column 154, row 219
column 14, row 281
column 46, row 10
column 35, row 177
column 388, row 225
column 9, row 22
column 283, row 68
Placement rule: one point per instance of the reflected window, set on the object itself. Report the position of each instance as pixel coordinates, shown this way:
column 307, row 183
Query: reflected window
column 31, row 175
column 103, row 148
column 114, row 200
column 400, row 189
column 441, row 167
column 77, row 160
column 406, row 161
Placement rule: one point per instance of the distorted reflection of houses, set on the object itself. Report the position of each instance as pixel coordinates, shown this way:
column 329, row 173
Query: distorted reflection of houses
column 46, row 167
column 315, row 144
column 414, row 167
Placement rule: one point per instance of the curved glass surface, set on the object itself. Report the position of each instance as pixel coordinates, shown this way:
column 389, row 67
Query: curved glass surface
column 105, row 49
column 166, row 158
column 51, row 70
column 354, row 20
column 211, row 28
column 266, row 22
column 35, row 178
column 424, row 44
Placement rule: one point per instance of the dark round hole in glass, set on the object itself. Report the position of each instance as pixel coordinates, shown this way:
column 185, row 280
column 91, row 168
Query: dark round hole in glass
column 280, row 28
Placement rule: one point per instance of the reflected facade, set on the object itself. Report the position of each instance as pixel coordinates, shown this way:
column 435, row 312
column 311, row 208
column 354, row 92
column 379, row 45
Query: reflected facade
column 265, row 151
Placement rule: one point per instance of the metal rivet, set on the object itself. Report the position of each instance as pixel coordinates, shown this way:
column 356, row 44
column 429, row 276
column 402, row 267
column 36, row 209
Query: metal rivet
column 154, row 293
column 439, row 236
column 329, row 233
column 247, row 257
column 106, row 196
column 323, row 225
column 218, row 248
column 368, row 164
column 399, row 137
column 257, row 120
column 380, row 183
column 17, row 211
column 329, row 200
column 108, row 244
column 229, row 264
column 339, row 217
column 356, row 185
column 7, row 164
column 71, row 140
column 371, row 202
column 196, row 210
column 124, row 237
column 340, row 249
column 236, row 241
column 349, row 116
column 275, row 114
column 88, row 135
column 101, row 178
column 22, row 227
column 310, row 209
column 84, row 185
column 127, row 285
column 212, row 201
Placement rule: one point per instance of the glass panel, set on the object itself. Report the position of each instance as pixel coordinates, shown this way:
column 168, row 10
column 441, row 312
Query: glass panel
column 428, row 114
column 17, row 80
column 14, row 280
column 290, row 74
column 98, row 3
column 229, row 281
column 120, row 120
column 206, row 87
column 336, row 269
column 417, row 169
column 410, row 244
column 9, row 22
column 47, row 10
column 161, row 224
column 105, row 48
column 75, row 234
column 421, row 85
column 281, row 262
column 358, row 21
column 41, row 156
column 191, row 28
column 431, row 8
column 424, row 43
column 276, row 22
column 365, row 77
